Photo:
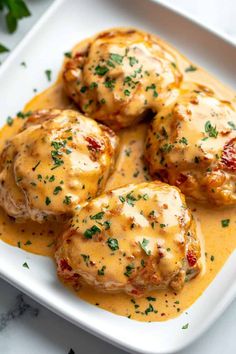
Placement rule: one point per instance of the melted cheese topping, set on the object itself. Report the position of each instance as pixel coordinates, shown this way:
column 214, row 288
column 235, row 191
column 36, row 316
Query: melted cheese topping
column 56, row 162
column 217, row 227
column 117, row 77
column 191, row 144
column 134, row 239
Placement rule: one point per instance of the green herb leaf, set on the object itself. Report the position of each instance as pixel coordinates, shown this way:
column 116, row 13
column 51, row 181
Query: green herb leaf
column 25, row 265
column 212, row 132
column 17, row 10
column 27, row 243
column 48, row 74
column 232, row 125
column 101, row 271
column 101, row 70
column 143, row 245
column 92, row 231
column 113, row 243
column 185, row 326
column 117, row 58
column 47, row 201
column 225, row 222
column 190, row 68
column 68, row 54
column 57, row 189
column 129, row 268
column 3, row 49
column 67, row 199
column 150, row 298
column 9, row 121
column 97, row 216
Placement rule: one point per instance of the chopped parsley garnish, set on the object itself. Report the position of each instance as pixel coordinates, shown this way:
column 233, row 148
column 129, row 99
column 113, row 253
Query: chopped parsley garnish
column 110, row 83
column 101, row 70
column 117, row 58
column 68, row 54
column 47, row 201
column 212, row 132
column 113, row 243
column 232, row 125
column 93, row 85
column 57, row 189
column 25, row 265
column 152, row 87
column 132, row 61
column 143, row 245
column 212, row 258
column 27, row 243
column 129, row 268
column 9, row 121
column 101, row 271
column 48, row 74
column 52, row 178
column 183, row 140
column 130, row 199
column 58, row 144
column 150, row 309
column 166, row 147
column 190, row 68
column 3, row 49
column 122, row 199
column 185, row 326
column 225, row 222
column 67, row 199
column 86, row 258
column 126, row 92
column 24, row 115
column 83, row 89
column 97, row 216
column 127, row 152
column 107, row 225
column 92, row 231
column 150, row 298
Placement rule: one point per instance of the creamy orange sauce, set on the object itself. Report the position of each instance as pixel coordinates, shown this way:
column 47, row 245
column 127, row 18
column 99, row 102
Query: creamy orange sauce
column 218, row 242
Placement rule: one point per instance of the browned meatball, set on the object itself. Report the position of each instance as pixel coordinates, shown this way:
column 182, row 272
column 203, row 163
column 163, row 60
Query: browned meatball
column 118, row 76
column 192, row 144
column 131, row 239
column 58, row 160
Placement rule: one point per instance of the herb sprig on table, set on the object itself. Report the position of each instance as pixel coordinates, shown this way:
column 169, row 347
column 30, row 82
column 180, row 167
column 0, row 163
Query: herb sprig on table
column 14, row 10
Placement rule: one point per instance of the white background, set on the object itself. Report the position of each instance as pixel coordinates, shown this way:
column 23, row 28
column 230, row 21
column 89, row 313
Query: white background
column 49, row 334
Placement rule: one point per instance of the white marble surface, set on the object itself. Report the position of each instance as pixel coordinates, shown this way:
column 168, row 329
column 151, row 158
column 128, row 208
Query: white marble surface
column 28, row 328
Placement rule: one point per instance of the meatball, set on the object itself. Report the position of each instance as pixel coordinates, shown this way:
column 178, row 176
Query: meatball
column 131, row 239
column 120, row 75
column 192, row 144
column 58, row 160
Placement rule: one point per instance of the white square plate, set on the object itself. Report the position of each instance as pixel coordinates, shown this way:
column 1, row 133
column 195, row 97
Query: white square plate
column 65, row 23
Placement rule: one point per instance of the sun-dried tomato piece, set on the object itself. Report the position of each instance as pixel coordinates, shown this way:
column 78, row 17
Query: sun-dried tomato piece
column 228, row 158
column 64, row 265
column 78, row 55
column 191, row 257
column 93, row 144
